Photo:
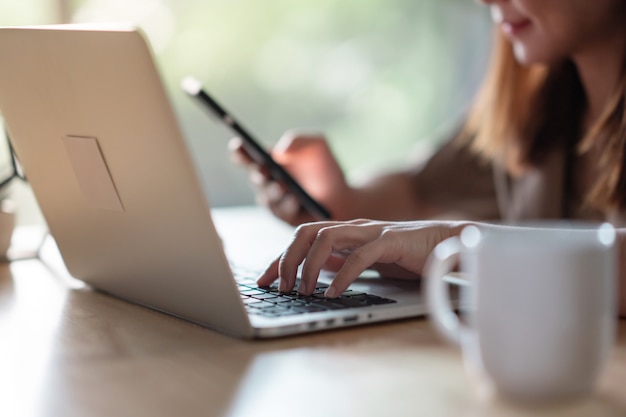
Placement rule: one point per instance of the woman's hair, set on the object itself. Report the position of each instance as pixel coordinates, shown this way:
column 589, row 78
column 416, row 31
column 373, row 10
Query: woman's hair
column 523, row 111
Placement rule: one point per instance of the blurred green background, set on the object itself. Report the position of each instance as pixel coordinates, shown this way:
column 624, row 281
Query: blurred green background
column 383, row 79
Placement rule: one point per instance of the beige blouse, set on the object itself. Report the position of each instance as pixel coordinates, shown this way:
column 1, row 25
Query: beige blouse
column 463, row 186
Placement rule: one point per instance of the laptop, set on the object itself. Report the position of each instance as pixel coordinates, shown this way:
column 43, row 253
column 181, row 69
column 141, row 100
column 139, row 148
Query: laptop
column 97, row 138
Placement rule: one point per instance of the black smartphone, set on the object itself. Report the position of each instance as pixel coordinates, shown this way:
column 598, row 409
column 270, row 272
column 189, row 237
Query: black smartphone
column 194, row 88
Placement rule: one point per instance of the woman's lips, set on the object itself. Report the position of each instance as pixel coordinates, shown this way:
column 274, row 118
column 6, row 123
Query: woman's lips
column 514, row 28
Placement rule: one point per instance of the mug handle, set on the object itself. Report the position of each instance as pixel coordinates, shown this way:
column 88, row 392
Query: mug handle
column 441, row 261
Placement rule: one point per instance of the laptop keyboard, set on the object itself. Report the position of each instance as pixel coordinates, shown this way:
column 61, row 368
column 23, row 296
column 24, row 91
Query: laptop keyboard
column 270, row 302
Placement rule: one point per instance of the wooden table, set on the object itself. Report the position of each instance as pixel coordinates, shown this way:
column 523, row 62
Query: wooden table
column 66, row 350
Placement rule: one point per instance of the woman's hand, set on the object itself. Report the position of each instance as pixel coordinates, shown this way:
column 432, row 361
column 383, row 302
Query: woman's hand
column 351, row 247
column 309, row 160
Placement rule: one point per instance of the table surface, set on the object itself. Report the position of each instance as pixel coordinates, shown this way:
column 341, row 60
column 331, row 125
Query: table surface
column 66, row 350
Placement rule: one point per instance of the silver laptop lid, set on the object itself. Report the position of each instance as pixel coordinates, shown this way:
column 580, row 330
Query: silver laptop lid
column 99, row 142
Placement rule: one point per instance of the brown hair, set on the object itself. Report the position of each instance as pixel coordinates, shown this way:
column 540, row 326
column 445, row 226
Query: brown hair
column 522, row 111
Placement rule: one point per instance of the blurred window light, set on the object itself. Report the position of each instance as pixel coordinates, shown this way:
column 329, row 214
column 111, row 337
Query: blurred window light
column 381, row 78
column 155, row 17
column 283, row 64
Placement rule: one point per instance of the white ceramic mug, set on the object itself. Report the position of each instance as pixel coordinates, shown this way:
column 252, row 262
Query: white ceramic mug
column 7, row 224
column 540, row 309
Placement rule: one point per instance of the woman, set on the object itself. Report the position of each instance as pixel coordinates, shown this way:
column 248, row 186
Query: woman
column 546, row 138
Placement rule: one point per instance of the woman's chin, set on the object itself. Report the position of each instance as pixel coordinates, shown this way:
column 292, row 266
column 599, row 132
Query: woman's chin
column 525, row 55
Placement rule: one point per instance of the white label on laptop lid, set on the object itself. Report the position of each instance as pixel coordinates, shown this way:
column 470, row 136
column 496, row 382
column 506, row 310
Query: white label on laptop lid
column 92, row 172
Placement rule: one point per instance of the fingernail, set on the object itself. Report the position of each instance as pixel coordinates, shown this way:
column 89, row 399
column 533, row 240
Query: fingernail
column 301, row 288
column 331, row 292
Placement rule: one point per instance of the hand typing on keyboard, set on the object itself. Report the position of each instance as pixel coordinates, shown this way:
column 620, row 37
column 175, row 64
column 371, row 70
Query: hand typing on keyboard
column 396, row 249
column 269, row 301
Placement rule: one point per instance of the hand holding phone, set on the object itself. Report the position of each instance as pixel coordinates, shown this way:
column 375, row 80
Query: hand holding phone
column 194, row 88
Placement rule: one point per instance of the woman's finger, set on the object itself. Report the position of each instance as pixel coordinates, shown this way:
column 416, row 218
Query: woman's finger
column 297, row 251
column 237, row 152
column 287, row 208
column 270, row 274
column 357, row 262
column 329, row 240
column 259, row 177
column 392, row 246
column 334, row 263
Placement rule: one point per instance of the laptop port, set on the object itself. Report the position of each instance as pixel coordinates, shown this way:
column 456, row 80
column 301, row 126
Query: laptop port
column 330, row 322
column 351, row 319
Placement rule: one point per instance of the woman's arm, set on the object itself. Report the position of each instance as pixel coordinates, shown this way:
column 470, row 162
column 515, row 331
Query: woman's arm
column 390, row 196
column 452, row 184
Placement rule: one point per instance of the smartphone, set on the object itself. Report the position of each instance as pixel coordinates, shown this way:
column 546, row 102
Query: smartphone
column 194, row 88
